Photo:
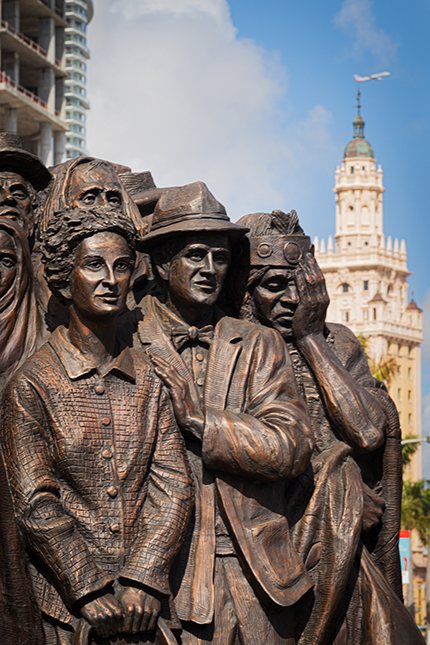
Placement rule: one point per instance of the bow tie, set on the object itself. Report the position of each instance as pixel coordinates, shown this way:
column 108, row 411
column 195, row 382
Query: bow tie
column 181, row 335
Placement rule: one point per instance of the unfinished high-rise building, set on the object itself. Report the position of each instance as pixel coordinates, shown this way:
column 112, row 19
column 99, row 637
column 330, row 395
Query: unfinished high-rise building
column 32, row 76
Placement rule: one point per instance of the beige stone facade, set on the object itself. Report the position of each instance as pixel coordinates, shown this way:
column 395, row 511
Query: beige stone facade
column 366, row 278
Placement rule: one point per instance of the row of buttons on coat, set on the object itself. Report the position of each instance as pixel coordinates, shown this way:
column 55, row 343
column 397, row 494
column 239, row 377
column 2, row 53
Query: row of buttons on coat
column 112, row 491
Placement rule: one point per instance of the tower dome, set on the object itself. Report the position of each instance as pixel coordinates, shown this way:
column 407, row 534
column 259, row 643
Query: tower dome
column 358, row 147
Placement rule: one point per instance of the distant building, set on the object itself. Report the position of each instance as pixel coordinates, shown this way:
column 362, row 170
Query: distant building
column 78, row 14
column 32, row 75
column 366, row 279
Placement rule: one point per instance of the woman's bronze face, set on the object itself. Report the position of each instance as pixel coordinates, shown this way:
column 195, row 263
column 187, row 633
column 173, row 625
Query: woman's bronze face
column 8, row 262
column 101, row 275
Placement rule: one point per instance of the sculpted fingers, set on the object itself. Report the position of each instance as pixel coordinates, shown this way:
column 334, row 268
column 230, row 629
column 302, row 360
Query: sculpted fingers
column 141, row 611
column 104, row 614
column 150, row 615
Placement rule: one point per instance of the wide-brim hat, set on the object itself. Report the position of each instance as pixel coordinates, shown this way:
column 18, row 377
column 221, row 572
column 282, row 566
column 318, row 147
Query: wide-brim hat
column 189, row 209
column 14, row 157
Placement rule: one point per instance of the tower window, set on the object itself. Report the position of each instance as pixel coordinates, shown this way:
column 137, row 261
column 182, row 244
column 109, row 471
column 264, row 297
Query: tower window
column 409, row 419
column 374, row 313
column 363, row 168
column 351, row 208
column 352, row 170
column 409, row 373
column 409, row 350
column 399, row 394
column 409, row 395
column 345, row 287
column 365, row 314
column 366, row 244
column 365, row 285
column 349, row 243
column 346, row 316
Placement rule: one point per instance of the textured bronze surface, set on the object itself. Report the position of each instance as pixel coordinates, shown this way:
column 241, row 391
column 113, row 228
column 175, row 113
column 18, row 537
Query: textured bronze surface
column 174, row 473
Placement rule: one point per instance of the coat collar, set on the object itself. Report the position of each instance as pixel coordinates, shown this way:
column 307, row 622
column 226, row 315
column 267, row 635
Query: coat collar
column 156, row 315
column 223, row 353
column 77, row 365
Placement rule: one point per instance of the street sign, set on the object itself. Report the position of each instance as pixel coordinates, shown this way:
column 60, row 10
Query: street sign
column 405, row 556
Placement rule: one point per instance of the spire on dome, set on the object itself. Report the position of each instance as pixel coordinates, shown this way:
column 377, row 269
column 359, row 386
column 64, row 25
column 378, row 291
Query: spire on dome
column 358, row 121
column 358, row 147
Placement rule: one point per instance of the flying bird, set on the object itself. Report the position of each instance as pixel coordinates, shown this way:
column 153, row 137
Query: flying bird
column 371, row 77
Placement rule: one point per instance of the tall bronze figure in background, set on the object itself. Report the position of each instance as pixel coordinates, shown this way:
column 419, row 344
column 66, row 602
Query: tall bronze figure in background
column 82, row 183
column 22, row 176
column 246, row 428
column 340, row 513
column 21, row 330
column 96, row 463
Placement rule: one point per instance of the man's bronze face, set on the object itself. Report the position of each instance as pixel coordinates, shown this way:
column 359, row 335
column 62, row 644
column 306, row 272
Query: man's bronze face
column 101, row 276
column 275, row 299
column 16, row 200
column 8, row 262
column 197, row 272
column 97, row 186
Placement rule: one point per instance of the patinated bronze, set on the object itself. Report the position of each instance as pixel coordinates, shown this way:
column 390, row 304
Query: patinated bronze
column 96, row 464
column 22, row 176
column 21, row 329
column 247, row 431
column 345, row 520
column 188, row 361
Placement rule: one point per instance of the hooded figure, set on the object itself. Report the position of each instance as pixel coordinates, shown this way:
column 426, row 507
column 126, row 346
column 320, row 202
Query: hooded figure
column 21, row 331
column 84, row 183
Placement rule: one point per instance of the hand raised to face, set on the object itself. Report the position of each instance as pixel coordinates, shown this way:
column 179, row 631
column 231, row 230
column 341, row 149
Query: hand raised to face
column 310, row 315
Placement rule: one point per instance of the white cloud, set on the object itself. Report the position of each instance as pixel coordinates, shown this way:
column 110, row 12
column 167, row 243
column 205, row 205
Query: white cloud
column 356, row 17
column 175, row 91
column 131, row 9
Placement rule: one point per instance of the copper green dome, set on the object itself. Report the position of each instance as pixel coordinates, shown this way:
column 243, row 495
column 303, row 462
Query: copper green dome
column 358, row 148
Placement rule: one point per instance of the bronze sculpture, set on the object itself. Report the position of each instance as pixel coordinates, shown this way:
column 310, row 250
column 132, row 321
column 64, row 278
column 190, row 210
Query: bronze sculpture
column 245, row 426
column 292, row 446
column 21, row 331
column 101, row 490
column 354, row 420
column 22, row 175
column 83, row 182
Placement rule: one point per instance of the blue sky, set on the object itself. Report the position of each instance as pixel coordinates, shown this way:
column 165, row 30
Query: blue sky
column 257, row 99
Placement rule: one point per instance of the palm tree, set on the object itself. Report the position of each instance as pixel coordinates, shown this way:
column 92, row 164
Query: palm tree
column 416, row 515
column 385, row 368
column 409, row 449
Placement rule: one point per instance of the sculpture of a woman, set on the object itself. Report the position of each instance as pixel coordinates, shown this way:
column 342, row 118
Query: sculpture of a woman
column 96, row 464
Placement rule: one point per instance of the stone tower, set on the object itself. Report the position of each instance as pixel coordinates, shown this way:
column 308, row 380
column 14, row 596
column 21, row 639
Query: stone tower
column 366, row 279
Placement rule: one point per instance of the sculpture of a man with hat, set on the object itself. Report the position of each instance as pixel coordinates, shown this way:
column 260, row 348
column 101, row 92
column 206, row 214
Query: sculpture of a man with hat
column 246, row 429
column 22, row 175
